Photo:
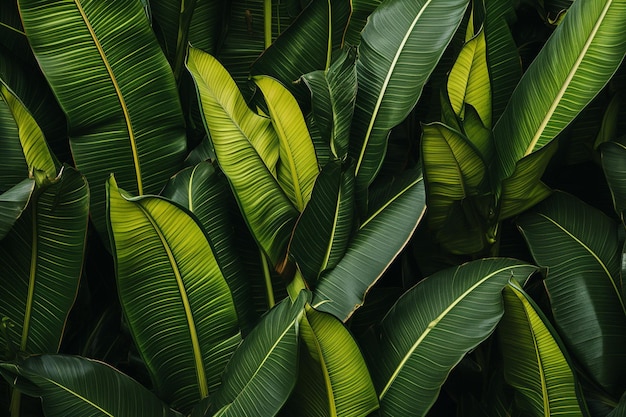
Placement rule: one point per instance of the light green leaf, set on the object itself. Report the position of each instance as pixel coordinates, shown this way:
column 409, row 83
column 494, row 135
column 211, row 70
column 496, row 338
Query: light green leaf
column 297, row 166
column 247, row 148
column 127, row 118
column 333, row 379
column 400, row 47
column 534, row 363
column 41, row 261
column 590, row 45
column 175, row 298
column 262, row 373
column 580, row 247
column 80, row 387
column 416, row 351
column 396, row 212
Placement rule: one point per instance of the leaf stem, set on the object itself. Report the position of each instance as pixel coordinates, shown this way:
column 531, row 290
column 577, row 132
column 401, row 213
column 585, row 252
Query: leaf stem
column 184, row 21
column 269, row 288
column 16, row 401
column 267, row 18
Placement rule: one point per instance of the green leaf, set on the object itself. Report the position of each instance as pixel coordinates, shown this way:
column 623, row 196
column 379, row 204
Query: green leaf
column 416, row 351
column 590, row 45
column 468, row 81
column 321, row 27
column 533, row 360
column 524, row 189
column 580, row 247
column 176, row 300
column 297, row 166
column 333, row 94
column 378, row 241
column 333, row 379
column 503, row 61
column 205, row 192
column 400, row 47
column 14, row 167
column 247, row 151
column 614, row 166
column 262, row 373
column 80, row 387
column 34, row 147
column 12, row 204
column 361, row 10
column 41, row 261
column 127, row 118
column 324, row 228
column 620, row 410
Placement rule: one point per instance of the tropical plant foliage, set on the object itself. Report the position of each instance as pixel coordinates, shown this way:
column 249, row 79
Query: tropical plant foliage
column 325, row 208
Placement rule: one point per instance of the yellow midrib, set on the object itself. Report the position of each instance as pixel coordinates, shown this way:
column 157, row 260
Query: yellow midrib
column 118, row 92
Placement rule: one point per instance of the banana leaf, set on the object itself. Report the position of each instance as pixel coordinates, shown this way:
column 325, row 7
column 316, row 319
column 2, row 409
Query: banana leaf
column 614, row 166
column 590, row 45
column 321, row 27
column 297, row 167
column 178, row 305
column 534, row 361
column 378, row 241
column 400, row 47
column 80, row 387
column 247, row 151
column 14, row 168
column 361, row 9
column 324, row 228
column 468, row 81
column 333, row 379
column 262, row 373
column 41, row 261
column 12, row 203
column 333, row 94
column 127, row 118
column 416, row 352
column 204, row 191
column 579, row 245
column 620, row 410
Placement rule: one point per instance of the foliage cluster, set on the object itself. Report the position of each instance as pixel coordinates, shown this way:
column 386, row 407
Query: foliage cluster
column 324, row 208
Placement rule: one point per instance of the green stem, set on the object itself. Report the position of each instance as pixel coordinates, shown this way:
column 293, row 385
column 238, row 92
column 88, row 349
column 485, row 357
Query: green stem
column 269, row 288
column 16, row 400
column 267, row 16
column 12, row 28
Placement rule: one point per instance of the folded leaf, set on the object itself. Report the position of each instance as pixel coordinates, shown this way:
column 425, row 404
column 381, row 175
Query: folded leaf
column 533, row 359
column 416, row 351
column 175, row 298
column 12, row 204
column 79, row 387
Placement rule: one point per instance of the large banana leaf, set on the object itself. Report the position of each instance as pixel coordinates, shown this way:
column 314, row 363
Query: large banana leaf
column 297, row 167
column 361, row 9
column 400, row 46
column 379, row 239
column 13, row 168
column 590, row 44
column 262, row 373
column 333, row 379
column 432, row 326
column 324, row 228
column 120, row 97
column 41, row 261
column 321, row 27
column 533, row 359
column 177, row 302
column 205, row 192
column 12, row 204
column 247, row 151
column 580, row 247
column 333, row 93
column 80, row 387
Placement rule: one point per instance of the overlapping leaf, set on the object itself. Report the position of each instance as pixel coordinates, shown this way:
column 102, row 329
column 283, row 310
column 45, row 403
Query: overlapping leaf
column 533, row 361
column 400, row 46
column 41, row 262
column 579, row 246
column 380, row 238
column 127, row 118
column 246, row 148
column 177, row 302
column 79, row 387
column 614, row 165
column 590, row 45
column 416, row 352
column 12, row 204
